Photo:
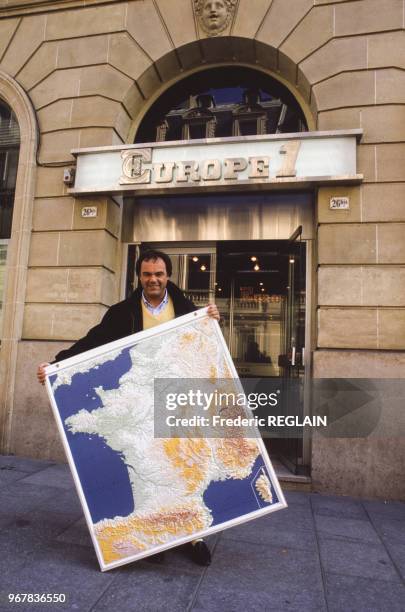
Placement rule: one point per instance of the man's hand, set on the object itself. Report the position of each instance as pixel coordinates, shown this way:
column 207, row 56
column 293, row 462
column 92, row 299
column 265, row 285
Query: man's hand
column 41, row 372
column 213, row 311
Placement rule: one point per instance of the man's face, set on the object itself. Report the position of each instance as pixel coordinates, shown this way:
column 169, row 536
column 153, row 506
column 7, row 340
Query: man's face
column 214, row 13
column 153, row 277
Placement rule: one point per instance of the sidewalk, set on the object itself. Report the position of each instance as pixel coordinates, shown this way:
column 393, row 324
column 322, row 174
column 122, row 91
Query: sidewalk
column 322, row 553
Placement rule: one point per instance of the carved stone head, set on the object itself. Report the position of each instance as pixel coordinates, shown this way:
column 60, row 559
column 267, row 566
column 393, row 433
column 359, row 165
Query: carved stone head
column 214, row 16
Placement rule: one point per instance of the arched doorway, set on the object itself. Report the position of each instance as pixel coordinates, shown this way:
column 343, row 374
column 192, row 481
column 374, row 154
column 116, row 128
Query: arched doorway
column 236, row 248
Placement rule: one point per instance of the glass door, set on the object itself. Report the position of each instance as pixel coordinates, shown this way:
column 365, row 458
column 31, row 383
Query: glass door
column 292, row 356
column 194, row 269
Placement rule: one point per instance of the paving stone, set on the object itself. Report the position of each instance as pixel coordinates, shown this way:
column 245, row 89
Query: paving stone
column 149, row 588
column 253, row 577
column 24, row 497
column 5, row 519
column 7, row 476
column 354, row 594
column 331, row 505
column 275, row 597
column 295, row 518
column 15, row 552
column 397, row 552
column 56, row 476
column 42, row 525
column 389, row 529
column 64, row 501
column 289, row 528
column 346, row 528
column 389, row 509
column 77, row 533
column 60, row 568
column 24, row 464
column 361, row 559
column 253, row 564
column 297, row 498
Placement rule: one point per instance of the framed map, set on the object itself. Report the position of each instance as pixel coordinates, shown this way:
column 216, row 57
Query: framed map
column 140, row 493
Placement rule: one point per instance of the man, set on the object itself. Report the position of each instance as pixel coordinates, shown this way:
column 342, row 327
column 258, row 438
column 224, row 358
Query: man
column 158, row 300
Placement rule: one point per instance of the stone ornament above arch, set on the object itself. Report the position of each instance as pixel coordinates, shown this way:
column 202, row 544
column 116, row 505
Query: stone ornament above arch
column 17, row 255
column 214, row 16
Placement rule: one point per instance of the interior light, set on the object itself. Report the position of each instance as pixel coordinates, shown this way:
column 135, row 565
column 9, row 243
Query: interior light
column 263, row 289
column 195, row 258
column 219, row 289
column 292, row 260
column 203, row 268
column 253, row 258
column 261, row 284
column 256, row 267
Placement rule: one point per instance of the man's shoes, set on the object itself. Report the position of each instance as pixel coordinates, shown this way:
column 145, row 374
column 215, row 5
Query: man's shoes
column 200, row 553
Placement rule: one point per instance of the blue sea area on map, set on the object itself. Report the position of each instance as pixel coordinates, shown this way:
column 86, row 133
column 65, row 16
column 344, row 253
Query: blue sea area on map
column 232, row 498
column 102, row 472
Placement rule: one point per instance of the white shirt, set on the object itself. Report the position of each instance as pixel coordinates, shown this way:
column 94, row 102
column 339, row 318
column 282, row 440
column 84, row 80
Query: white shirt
column 155, row 310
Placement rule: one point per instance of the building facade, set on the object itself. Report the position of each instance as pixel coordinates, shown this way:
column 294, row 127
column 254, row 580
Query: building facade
column 79, row 76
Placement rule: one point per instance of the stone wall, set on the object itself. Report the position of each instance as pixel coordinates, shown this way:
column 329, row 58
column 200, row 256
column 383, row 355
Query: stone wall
column 91, row 72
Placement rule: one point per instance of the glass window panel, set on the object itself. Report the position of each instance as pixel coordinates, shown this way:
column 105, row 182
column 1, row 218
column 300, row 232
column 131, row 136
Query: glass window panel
column 9, row 151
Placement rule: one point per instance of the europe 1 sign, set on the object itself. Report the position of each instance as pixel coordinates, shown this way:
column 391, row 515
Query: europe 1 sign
column 302, row 159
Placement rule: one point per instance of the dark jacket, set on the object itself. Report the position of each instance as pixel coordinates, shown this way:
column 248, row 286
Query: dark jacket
column 124, row 319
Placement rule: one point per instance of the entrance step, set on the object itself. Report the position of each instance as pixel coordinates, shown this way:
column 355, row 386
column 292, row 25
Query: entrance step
column 290, row 481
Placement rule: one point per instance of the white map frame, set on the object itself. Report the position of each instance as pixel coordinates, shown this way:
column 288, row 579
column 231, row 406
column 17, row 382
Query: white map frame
column 123, row 343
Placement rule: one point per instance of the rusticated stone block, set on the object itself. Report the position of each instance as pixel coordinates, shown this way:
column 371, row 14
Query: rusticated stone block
column 87, row 248
column 338, row 55
column 391, row 328
column 182, row 30
column 281, row 19
column 358, row 364
column 145, row 26
column 50, row 183
column 367, row 16
column 326, row 215
column 346, row 89
column 82, row 51
column 383, row 202
column 60, row 321
column 71, row 285
column 29, row 35
column 386, row 49
column 86, row 21
column 311, row 33
column 7, row 29
column 391, row 243
column 53, row 214
column 361, row 286
column 108, row 214
column 347, row 328
column 390, row 88
column 56, row 116
column 40, row 65
column 334, row 240
column 127, row 56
